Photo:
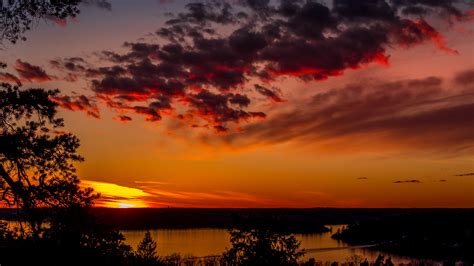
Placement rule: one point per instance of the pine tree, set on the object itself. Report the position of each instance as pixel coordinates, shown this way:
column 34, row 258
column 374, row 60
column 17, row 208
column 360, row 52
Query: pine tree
column 146, row 250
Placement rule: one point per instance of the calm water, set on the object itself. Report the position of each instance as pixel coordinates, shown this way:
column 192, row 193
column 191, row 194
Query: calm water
column 204, row 242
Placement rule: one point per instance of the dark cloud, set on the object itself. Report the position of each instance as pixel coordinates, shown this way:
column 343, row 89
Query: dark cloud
column 442, row 180
column 270, row 93
column 407, row 181
column 466, row 174
column 31, row 72
column 217, row 107
column 124, row 118
column 151, row 114
column 78, row 103
column 246, row 41
column 204, row 67
column 239, row 99
column 364, row 9
column 362, row 178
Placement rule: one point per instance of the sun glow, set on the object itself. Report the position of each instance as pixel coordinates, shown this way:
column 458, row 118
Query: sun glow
column 123, row 205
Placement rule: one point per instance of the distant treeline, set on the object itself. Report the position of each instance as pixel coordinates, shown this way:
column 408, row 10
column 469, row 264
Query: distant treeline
column 292, row 220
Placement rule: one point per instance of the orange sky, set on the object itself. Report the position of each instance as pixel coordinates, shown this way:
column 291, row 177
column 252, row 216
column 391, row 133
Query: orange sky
column 371, row 137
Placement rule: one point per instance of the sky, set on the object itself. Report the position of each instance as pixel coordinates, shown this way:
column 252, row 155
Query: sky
column 263, row 103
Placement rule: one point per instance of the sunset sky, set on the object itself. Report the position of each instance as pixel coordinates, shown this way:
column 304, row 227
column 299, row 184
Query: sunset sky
column 264, row 103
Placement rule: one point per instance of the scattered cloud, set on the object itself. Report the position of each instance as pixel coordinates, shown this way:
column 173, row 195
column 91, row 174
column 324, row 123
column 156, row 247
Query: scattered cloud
column 78, row 103
column 124, row 118
column 72, row 66
column 362, row 178
column 30, row 72
column 466, row 174
column 407, row 181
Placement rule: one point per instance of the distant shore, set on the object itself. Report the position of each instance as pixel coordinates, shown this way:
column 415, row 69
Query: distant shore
column 311, row 220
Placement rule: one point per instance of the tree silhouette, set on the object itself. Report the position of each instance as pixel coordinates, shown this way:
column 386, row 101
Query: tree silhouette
column 262, row 247
column 36, row 158
column 146, row 251
column 38, row 176
column 17, row 16
column 37, row 171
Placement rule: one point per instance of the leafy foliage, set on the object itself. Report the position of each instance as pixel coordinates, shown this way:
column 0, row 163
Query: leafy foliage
column 36, row 158
column 17, row 17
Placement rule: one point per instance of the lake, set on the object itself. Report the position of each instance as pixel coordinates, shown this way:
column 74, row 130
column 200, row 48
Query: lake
column 206, row 242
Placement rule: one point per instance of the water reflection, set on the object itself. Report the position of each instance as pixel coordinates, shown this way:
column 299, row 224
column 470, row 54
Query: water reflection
column 205, row 242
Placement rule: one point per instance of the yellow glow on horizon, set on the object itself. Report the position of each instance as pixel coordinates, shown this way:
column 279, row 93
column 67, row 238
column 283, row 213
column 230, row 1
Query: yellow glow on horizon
column 116, row 196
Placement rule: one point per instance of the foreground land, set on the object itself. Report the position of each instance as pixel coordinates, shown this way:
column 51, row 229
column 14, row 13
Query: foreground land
column 442, row 235
column 445, row 235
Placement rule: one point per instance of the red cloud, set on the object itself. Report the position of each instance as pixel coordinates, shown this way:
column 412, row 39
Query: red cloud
column 7, row 77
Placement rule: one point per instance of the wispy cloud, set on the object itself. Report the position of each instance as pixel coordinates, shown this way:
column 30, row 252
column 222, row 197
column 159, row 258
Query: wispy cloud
column 370, row 115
